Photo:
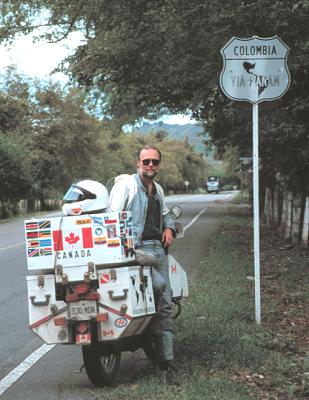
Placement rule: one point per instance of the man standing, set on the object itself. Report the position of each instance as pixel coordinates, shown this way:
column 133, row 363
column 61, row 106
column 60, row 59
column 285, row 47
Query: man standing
column 153, row 230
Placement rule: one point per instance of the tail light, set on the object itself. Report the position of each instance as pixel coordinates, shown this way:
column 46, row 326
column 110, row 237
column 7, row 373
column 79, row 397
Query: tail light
column 59, row 321
column 81, row 288
column 82, row 327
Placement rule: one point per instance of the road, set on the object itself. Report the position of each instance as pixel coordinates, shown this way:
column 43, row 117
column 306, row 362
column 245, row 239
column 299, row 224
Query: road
column 56, row 375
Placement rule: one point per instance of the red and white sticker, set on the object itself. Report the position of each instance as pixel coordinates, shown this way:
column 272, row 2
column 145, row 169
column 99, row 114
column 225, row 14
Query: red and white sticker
column 120, row 322
column 104, row 278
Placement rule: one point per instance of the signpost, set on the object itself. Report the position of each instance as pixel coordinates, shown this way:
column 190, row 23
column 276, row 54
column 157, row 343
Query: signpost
column 255, row 70
column 187, row 183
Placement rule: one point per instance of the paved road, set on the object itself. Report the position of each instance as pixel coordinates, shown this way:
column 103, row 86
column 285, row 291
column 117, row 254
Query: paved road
column 56, row 375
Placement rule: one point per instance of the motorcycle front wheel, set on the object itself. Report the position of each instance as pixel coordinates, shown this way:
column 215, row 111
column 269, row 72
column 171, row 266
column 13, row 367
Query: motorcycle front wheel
column 101, row 369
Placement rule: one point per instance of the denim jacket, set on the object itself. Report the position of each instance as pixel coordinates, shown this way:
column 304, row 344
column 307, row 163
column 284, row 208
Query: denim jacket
column 129, row 194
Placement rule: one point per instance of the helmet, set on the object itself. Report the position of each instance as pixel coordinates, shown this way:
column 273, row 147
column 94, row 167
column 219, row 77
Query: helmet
column 84, row 197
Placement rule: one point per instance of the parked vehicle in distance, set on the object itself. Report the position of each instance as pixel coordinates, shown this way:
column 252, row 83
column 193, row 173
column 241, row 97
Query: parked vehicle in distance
column 212, row 184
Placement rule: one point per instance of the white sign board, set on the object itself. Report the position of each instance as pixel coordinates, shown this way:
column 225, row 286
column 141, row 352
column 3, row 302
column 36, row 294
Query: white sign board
column 255, row 69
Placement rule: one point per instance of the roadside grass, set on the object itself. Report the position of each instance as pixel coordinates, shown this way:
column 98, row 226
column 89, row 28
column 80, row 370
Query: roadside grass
column 244, row 199
column 220, row 351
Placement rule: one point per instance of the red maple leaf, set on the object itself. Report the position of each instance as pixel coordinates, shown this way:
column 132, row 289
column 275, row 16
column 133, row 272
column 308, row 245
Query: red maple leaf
column 72, row 239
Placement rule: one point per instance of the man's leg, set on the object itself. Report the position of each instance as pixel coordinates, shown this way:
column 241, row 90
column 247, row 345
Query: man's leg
column 163, row 324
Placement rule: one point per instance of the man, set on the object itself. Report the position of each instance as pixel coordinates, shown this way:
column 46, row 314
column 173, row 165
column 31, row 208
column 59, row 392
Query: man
column 153, row 230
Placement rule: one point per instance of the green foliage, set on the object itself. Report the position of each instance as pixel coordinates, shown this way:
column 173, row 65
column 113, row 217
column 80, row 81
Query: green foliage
column 14, row 171
column 48, row 140
column 143, row 57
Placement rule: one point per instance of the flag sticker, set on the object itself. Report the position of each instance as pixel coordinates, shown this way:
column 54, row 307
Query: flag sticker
column 100, row 240
column 45, row 224
column 97, row 220
column 87, row 238
column 31, row 226
column 33, row 252
column 83, row 221
column 72, row 238
column 104, row 278
column 32, row 235
column 45, row 243
column 46, row 252
column 57, row 240
column 32, row 243
column 44, row 233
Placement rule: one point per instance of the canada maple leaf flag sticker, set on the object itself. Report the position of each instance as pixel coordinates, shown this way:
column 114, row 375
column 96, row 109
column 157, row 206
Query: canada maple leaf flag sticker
column 72, row 238
column 68, row 239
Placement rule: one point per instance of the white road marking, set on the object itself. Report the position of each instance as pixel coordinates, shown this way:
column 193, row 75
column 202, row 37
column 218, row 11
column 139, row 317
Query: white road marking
column 23, row 367
column 194, row 219
column 13, row 245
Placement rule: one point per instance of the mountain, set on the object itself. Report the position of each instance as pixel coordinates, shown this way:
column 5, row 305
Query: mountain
column 177, row 131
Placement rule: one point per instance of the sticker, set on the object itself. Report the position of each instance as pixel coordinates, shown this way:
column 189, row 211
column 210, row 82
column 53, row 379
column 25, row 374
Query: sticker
column 45, row 224
column 108, row 332
column 45, row 242
column 110, row 221
column 46, row 252
column 33, row 252
column 72, row 238
column 73, row 254
column 100, row 240
column 120, row 322
column 83, row 221
column 32, row 235
column 44, row 233
column 98, row 231
column 113, row 243
column 104, row 278
column 111, row 231
column 31, row 226
column 97, row 220
column 32, row 243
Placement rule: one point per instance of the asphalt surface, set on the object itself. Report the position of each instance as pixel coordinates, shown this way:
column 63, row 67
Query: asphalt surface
column 57, row 374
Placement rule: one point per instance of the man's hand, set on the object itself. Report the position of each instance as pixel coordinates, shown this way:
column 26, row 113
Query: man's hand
column 167, row 237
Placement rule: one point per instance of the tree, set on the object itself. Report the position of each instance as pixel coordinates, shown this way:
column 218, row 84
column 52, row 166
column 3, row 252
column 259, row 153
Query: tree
column 146, row 57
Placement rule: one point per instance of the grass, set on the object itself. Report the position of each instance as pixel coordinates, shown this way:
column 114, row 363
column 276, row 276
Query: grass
column 220, row 352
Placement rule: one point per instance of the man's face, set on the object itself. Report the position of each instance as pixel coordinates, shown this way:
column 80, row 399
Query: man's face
column 145, row 164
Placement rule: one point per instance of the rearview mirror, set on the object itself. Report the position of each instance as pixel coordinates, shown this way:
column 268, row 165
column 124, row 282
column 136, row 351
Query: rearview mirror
column 176, row 212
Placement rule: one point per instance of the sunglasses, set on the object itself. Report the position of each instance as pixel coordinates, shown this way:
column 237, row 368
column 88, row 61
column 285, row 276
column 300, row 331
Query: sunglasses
column 147, row 161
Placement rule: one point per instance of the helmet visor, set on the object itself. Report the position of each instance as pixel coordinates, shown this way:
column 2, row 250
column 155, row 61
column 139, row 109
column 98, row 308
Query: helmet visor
column 76, row 193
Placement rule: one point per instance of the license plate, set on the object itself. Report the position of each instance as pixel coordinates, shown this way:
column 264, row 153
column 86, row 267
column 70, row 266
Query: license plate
column 83, row 310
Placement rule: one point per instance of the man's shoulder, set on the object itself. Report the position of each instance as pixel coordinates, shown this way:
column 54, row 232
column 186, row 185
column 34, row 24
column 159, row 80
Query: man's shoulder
column 125, row 180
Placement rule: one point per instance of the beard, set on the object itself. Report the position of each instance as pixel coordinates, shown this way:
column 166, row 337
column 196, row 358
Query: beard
column 149, row 174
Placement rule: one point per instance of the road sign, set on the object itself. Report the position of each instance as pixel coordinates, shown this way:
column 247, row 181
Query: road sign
column 255, row 69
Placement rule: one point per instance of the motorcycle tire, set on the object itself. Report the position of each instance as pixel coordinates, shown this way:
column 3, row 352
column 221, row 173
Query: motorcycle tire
column 101, row 370
column 150, row 350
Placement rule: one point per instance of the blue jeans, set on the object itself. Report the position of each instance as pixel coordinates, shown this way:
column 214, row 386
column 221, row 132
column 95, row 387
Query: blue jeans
column 163, row 324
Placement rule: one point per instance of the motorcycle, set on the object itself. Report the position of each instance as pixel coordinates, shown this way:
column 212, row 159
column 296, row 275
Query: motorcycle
column 90, row 287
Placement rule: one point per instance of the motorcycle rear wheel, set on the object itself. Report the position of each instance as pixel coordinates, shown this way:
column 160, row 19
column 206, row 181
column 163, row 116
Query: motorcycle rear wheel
column 101, row 369
column 150, row 350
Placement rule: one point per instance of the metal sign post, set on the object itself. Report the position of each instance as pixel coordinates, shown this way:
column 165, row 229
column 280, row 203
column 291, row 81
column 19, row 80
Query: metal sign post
column 255, row 70
column 256, row 212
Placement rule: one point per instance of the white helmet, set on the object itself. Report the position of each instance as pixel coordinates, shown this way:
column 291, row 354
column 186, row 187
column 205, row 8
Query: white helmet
column 85, row 197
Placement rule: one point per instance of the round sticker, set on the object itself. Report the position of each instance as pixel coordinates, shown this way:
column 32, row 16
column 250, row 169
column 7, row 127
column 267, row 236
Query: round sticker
column 120, row 322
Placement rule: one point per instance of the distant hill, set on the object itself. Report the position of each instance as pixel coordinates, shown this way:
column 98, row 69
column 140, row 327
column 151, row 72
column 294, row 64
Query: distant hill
column 176, row 131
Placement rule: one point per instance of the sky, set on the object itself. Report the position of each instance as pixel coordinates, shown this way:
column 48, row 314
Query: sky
column 39, row 59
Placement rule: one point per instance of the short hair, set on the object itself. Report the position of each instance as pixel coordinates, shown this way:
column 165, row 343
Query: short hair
column 148, row 147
